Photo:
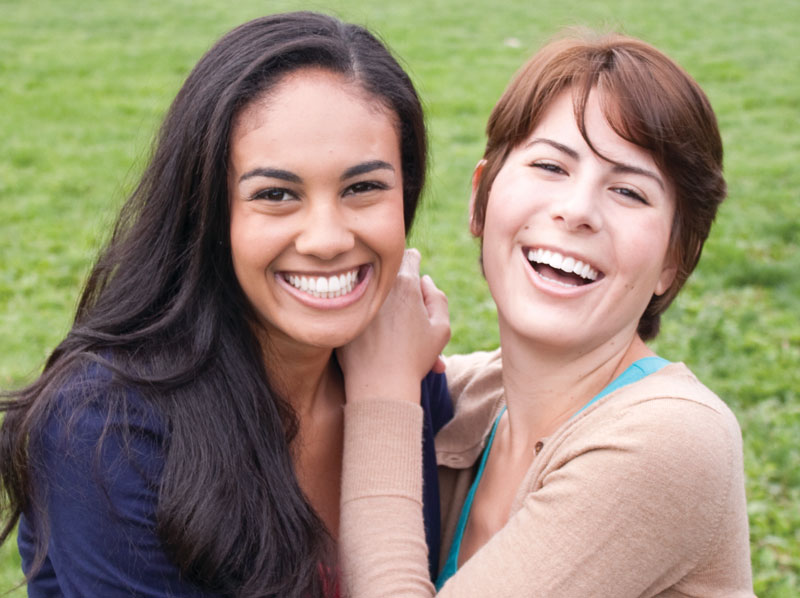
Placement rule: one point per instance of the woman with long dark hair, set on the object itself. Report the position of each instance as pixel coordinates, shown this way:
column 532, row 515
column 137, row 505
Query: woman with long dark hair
column 185, row 438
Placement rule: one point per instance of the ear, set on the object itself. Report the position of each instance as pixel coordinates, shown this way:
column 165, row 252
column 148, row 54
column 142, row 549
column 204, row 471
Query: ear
column 476, row 179
column 667, row 276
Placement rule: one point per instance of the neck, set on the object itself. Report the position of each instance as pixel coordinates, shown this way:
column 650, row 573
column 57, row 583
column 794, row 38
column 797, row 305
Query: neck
column 545, row 385
column 308, row 378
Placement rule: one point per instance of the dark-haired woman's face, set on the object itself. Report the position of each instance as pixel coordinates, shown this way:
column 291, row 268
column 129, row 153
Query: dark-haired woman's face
column 316, row 194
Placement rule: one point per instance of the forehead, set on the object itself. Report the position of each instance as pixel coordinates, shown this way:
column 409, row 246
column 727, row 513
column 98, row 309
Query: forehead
column 316, row 125
column 560, row 121
column 310, row 92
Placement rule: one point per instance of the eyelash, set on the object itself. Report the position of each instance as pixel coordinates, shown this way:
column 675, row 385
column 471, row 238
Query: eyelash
column 280, row 195
column 627, row 192
column 365, row 187
column 548, row 167
column 270, row 195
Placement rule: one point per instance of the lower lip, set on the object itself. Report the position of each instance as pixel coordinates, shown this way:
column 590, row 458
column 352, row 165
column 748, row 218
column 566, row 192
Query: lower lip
column 339, row 302
column 552, row 287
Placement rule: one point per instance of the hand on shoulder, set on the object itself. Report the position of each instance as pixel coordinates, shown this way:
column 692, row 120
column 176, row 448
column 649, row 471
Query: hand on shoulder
column 390, row 358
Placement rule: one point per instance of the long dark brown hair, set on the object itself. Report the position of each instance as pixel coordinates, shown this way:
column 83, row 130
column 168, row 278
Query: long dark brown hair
column 163, row 314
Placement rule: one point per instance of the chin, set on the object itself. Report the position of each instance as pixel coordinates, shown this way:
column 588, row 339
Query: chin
column 331, row 338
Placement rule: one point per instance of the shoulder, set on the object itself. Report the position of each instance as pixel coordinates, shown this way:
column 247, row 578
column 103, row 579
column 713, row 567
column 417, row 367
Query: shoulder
column 667, row 453
column 676, row 406
column 92, row 420
column 475, row 382
column 474, row 374
column 91, row 391
column 667, row 438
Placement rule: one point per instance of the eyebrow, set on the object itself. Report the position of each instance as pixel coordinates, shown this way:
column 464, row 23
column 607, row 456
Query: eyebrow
column 271, row 173
column 559, row 146
column 366, row 167
column 619, row 167
column 285, row 175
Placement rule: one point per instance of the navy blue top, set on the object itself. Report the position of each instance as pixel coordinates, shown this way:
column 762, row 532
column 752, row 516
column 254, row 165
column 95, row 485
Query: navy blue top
column 102, row 513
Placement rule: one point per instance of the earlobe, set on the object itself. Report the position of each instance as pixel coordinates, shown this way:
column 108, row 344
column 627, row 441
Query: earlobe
column 666, row 279
column 474, row 227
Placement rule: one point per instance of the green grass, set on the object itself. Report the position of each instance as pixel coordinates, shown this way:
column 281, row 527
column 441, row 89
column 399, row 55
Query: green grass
column 84, row 84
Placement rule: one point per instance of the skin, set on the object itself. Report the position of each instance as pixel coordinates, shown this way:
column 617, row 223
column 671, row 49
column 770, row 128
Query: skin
column 316, row 191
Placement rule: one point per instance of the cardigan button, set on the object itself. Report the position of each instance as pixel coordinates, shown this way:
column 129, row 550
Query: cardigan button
column 538, row 447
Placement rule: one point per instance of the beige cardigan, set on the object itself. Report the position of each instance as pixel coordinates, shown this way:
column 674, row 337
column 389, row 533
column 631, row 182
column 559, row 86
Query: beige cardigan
column 641, row 494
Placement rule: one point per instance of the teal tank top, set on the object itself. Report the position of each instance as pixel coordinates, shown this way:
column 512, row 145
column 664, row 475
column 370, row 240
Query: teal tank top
column 636, row 371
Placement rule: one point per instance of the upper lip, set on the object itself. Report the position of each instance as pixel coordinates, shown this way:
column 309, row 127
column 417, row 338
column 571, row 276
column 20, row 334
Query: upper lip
column 544, row 254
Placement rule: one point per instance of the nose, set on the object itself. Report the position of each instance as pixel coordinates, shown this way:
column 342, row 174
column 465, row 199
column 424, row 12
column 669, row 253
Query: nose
column 577, row 209
column 326, row 231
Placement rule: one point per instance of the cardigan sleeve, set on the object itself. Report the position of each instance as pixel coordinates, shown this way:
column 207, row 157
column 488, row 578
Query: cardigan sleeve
column 100, row 487
column 381, row 502
column 626, row 509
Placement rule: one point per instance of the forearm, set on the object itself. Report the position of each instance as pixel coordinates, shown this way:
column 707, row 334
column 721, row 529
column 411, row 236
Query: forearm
column 382, row 537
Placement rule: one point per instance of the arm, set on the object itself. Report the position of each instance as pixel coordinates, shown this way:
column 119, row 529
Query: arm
column 383, row 369
column 627, row 510
column 101, row 506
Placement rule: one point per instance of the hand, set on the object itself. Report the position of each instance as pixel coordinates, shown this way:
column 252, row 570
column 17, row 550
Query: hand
column 403, row 343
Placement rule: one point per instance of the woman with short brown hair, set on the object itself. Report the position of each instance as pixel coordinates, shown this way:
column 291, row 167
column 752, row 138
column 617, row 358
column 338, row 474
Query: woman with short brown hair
column 578, row 463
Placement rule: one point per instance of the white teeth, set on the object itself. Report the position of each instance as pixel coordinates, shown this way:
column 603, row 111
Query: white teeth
column 324, row 287
column 333, row 285
column 566, row 264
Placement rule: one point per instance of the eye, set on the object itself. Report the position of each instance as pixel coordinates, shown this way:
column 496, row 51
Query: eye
column 365, row 187
column 548, row 167
column 274, row 194
column 631, row 193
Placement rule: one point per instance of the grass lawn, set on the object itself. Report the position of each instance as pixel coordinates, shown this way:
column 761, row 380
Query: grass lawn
column 84, row 84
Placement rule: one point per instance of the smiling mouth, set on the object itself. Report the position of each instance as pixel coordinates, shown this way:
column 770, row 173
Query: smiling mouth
column 326, row 287
column 563, row 270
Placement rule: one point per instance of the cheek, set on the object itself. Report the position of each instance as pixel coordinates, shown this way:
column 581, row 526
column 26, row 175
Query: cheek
column 255, row 243
column 386, row 235
column 243, row 245
column 504, row 218
column 646, row 256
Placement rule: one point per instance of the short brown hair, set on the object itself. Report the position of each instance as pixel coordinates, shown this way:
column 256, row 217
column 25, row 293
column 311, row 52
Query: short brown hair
column 649, row 101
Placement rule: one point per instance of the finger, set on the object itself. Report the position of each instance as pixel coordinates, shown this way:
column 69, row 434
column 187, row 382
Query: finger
column 434, row 299
column 438, row 313
column 410, row 263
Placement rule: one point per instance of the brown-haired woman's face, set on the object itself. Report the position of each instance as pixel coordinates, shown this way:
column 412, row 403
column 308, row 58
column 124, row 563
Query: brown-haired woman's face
column 575, row 245
column 316, row 196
